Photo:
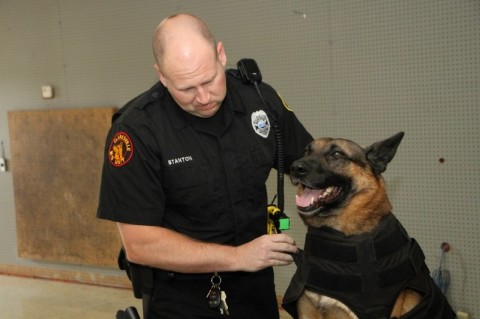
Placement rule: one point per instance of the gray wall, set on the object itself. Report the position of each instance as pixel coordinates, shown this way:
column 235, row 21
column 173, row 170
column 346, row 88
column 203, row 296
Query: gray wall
column 356, row 69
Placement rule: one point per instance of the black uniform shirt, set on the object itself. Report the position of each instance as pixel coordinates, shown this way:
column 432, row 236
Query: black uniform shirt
column 201, row 177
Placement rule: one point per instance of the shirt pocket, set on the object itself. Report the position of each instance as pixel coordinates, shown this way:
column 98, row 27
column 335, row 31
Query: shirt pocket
column 180, row 179
column 188, row 189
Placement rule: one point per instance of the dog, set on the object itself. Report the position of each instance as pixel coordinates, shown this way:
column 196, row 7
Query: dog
column 358, row 261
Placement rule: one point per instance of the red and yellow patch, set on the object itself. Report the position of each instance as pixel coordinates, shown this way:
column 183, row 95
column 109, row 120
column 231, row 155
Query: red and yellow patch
column 121, row 149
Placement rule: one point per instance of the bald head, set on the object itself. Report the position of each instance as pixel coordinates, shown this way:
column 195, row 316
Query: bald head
column 179, row 36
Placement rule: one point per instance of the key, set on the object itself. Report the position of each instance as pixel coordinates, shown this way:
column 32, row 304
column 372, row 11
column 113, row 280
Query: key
column 214, row 297
column 223, row 303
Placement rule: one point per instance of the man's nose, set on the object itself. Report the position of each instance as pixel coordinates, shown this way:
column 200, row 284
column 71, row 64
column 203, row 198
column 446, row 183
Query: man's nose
column 203, row 96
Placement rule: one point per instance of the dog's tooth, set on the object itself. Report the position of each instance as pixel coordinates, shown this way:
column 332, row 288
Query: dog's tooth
column 329, row 190
column 326, row 192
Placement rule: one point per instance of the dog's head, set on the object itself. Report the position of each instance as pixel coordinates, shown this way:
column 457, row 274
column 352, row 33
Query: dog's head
column 339, row 183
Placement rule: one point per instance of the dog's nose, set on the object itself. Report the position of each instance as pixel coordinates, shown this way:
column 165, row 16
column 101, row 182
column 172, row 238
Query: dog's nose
column 299, row 168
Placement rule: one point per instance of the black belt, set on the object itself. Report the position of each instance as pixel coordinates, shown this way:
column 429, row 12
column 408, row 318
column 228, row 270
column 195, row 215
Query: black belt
column 160, row 274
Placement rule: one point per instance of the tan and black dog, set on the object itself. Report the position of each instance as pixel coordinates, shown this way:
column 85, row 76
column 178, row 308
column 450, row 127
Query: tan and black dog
column 358, row 261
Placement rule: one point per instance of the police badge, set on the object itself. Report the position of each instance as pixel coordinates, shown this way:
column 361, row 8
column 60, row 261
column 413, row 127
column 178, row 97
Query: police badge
column 261, row 123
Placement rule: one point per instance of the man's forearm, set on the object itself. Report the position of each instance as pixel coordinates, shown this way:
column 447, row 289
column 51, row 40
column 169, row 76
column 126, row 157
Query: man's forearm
column 163, row 248
column 166, row 249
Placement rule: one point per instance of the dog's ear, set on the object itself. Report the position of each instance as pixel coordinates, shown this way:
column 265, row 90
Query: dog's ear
column 381, row 153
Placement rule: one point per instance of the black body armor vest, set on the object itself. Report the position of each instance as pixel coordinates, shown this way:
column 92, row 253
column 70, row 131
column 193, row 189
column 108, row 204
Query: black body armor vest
column 367, row 272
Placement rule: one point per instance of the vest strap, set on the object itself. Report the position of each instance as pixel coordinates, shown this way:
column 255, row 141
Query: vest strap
column 405, row 269
column 328, row 250
column 318, row 278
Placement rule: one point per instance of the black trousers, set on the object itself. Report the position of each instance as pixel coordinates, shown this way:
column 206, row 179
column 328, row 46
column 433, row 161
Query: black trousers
column 183, row 296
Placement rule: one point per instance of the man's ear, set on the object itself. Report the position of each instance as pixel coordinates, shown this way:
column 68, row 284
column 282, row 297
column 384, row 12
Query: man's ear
column 161, row 77
column 222, row 56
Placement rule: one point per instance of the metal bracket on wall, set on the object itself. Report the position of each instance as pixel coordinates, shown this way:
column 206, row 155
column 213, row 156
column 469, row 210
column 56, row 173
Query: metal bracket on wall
column 3, row 161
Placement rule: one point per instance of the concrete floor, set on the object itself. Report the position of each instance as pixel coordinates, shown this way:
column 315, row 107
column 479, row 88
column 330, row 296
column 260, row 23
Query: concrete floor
column 26, row 298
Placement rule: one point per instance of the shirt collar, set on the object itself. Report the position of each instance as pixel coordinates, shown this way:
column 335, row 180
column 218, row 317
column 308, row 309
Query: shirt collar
column 181, row 119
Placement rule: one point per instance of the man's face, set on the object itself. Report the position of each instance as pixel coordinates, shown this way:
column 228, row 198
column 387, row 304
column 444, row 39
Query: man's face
column 198, row 86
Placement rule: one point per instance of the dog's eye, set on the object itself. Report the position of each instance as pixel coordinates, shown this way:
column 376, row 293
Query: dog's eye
column 337, row 155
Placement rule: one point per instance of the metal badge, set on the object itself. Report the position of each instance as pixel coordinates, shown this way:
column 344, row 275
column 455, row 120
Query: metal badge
column 261, row 123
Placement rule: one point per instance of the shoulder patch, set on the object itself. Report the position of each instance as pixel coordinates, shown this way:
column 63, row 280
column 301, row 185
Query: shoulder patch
column 120, row 150
column 285, row 103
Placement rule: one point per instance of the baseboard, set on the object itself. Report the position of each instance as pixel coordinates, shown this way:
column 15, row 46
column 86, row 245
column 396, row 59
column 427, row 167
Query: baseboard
column 83, row 277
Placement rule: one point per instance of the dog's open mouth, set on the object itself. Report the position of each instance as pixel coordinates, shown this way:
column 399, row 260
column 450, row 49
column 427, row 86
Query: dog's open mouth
column 311, row 201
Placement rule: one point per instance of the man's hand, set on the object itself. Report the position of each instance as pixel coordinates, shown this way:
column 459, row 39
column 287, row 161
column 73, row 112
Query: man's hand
column 266, row 251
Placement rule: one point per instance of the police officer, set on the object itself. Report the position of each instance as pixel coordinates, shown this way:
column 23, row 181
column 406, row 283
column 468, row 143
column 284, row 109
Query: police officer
column 184, row 178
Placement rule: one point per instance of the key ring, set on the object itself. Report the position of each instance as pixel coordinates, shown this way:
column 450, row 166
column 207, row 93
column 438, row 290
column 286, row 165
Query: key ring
column 212, row 280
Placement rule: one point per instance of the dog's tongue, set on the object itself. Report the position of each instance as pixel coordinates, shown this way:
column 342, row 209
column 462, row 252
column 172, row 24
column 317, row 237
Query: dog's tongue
column 305, row 198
